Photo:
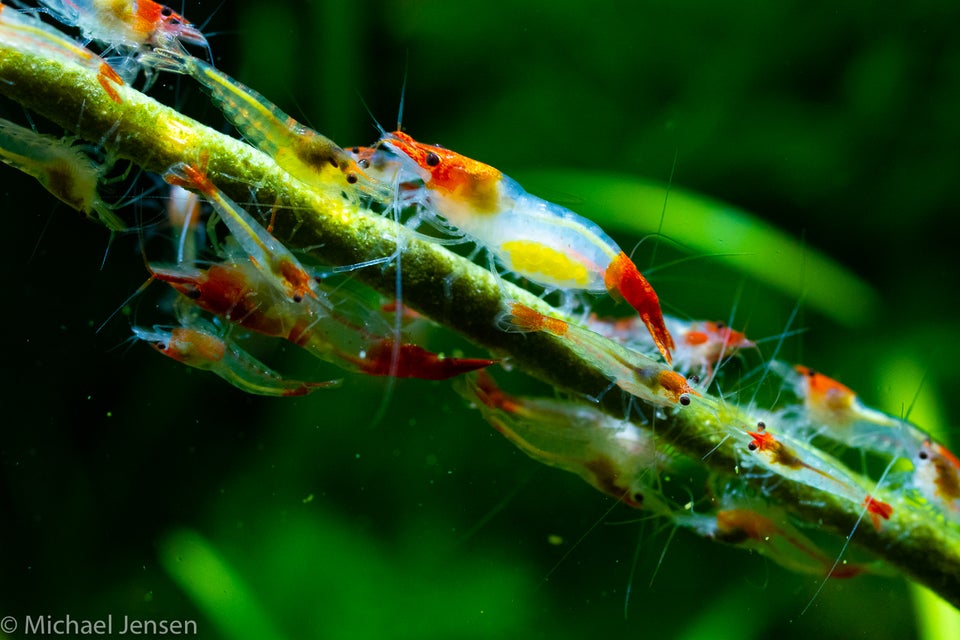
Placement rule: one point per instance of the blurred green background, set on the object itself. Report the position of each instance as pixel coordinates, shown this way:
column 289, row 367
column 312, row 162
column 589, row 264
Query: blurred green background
column 131, row 485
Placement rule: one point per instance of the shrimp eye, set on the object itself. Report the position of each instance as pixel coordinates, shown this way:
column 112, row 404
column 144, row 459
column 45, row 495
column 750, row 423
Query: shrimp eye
column 162, row 346
column 684, row 399
column 166, row 12
column 297, row 297
column 364, row 164
column 695, row 379
column 721, row 326
column 923, row 455
column 752, row 446
column 432, row 159
column 351, row 178
column 761, row 425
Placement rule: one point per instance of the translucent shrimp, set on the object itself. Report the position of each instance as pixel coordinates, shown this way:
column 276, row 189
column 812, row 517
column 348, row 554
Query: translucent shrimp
column 700, row 345
column 302, row 152
column 936, row 477
column 541, row 241
column 126, row 23
column 636, row 373
column 834, row 411
column 767, row 530
column 25, row 32
column 793, row 459
column 614, row 456
column 274, row 260
column 202, row 348
column 65, row 171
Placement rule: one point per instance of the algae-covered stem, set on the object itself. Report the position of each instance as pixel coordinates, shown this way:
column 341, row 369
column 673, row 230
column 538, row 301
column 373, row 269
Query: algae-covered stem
column 447, row 288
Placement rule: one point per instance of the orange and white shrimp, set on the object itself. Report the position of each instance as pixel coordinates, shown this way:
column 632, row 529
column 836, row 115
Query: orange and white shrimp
column 614, row 456
column 834, row 411
column 936, row 477
column 126, row 23
column 27, row 33
column 538, row 240
column 63, row 170
column 700, row 345
column 636, row 373
column 202, row 348
column 302, row 152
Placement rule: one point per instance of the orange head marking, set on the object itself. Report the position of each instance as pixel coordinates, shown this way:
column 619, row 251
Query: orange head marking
column 676, row 386
column 825, row 392
column 762, row 441
column 451, row 173
column 154, row 19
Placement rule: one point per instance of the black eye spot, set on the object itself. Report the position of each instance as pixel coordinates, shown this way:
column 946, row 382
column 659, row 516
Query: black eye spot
column 364, row 164
column 166, row 12
column 638, row 498
column 752, row 446
column 352, row 178
column 684, row 399
column 721, row 325
column 297, row 297
column 923, row 455
column 432, row 159
column 356, row 150
column 161, row 346
column 761, row 425
column 812, row 373
column 695, row 379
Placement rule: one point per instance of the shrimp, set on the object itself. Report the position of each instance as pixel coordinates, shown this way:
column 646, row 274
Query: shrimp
column 338, row 328
column 936, row 476
column 201, row 348
column 126, row 23
column 770, row 534
column 837, row 413
column 700, row 345
column 636, row 373
column 614, row 456
column 541, row 241
column 274, row 260
column 813, row 469
column 65, row 171
column 305, row 154
column 27, row 33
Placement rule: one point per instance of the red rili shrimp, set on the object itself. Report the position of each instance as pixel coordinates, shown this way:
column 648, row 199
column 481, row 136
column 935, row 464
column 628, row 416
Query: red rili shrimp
column 634, row 372
column 22, row 31
column 541, row 241
column 614, row 456
column 125, row 23
column 835, row 412
column 302, row 152
column 276, row 262
column 201, row 348
column 937, row 476
column 812, row 468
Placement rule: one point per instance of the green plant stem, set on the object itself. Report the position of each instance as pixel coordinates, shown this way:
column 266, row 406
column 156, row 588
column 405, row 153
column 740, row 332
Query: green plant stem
column 447, row 288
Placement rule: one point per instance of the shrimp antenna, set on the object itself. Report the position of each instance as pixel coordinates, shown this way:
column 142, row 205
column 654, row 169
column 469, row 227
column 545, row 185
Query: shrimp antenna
column 663, row 210
column 403, row 90
column 376, row 123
